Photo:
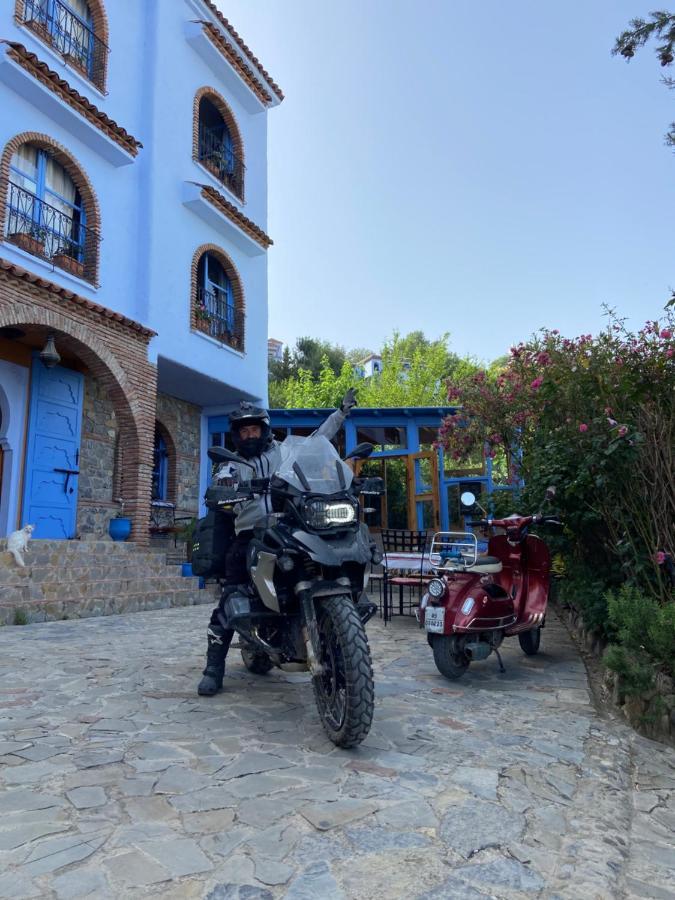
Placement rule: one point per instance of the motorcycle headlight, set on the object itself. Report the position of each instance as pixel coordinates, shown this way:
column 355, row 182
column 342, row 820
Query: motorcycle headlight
column 436, row 588
column 325, row 514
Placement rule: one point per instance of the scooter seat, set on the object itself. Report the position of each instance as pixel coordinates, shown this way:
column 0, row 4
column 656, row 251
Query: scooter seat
column 485, row 565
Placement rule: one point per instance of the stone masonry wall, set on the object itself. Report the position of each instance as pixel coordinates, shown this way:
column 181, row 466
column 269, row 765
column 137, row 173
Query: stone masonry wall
column 96, row 504
column 181, row 422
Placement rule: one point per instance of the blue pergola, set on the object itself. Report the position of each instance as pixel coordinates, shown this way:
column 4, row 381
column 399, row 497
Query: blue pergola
column 408, row 427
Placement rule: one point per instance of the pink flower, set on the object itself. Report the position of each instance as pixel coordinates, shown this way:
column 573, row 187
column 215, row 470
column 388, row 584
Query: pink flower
column 555, row 331
column 608, row 410
column 537, row 383
column 666, row 334
column 659, row 558
column 669, row 352
column 619, row 361
column 543, row 358
column 623, row 430
column 583, row 427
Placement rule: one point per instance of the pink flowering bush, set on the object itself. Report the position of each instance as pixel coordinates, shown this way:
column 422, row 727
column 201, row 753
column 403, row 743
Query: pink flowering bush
column 595, row 416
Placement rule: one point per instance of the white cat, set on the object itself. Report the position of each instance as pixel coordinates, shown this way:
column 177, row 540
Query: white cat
column 17, row 543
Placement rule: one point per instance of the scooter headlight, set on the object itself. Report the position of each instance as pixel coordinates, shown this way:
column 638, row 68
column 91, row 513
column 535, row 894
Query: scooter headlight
column 436, row 588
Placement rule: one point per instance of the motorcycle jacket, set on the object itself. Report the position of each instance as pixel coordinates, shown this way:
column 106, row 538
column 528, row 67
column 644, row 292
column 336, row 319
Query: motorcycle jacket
column 254, row 512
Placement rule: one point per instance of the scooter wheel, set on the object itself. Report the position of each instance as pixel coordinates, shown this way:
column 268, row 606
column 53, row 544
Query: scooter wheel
column 529, row 641
column 450, row 660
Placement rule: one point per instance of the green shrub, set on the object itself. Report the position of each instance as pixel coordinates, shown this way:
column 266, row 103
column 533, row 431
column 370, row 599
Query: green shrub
column 635, row 672
column 20, row 617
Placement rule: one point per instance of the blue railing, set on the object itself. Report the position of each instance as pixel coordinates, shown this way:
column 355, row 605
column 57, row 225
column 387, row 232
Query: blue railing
column 50, row 232
column 216, row 315
column 218, row 157
column 57, row 24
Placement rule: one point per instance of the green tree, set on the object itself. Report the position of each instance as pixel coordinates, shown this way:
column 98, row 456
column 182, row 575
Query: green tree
column 661, row 27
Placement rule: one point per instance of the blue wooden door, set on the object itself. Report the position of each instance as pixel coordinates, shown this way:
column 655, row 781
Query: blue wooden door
column 53, row 451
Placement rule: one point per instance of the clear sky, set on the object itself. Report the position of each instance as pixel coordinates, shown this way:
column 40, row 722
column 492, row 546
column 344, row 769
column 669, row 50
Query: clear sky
column 483, row 168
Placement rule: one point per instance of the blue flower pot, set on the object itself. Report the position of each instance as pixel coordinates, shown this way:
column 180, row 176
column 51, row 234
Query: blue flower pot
column 119, row 529
column 186, row 570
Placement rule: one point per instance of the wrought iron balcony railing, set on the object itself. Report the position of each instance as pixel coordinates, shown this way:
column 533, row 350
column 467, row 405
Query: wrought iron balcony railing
column 216, row 315
column 69, row 35
column 220, row 159
column 50, row 232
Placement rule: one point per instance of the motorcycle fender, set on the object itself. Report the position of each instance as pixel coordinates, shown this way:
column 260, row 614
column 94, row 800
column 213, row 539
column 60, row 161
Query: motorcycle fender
column 356, row 548
column 262, row 576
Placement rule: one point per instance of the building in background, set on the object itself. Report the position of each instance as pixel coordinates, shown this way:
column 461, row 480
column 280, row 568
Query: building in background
column 133, row 195
column 275, row 350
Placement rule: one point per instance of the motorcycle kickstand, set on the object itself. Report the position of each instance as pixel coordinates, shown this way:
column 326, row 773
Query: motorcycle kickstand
column 502, row 670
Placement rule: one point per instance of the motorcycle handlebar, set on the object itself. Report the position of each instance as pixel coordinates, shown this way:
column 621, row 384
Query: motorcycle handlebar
column 521, row 521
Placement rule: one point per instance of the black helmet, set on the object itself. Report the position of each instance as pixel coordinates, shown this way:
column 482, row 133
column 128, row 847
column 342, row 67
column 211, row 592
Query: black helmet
column 247, row 414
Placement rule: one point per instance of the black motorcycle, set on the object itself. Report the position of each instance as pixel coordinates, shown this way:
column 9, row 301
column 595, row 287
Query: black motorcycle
column 305, row 604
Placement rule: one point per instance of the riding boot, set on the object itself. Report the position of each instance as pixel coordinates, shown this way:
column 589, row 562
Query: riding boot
column 218, row 639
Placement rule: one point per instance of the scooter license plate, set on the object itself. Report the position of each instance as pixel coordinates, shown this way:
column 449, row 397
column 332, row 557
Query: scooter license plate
column 434, row 619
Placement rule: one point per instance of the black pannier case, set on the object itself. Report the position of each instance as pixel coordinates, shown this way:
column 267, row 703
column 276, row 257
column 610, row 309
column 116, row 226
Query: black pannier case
column 212, row 537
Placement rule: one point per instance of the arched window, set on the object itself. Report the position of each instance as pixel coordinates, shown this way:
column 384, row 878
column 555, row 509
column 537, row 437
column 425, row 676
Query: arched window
column 73, row 28
column 160, row 468
column 218, row 300
column 219, row 144
column 45, row 213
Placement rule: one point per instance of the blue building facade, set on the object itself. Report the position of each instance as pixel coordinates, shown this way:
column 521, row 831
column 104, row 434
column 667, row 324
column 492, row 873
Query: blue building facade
column 133, row 230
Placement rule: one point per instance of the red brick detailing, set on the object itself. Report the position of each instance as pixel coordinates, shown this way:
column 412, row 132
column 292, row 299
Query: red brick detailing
column 256, row 62
column 239, row 219
column 41, row 71
column 228, row 117
column 65, row 294
column 115, row 354
column 99, row 22
column 232, row 274
column 84, row 186
column 237, row 62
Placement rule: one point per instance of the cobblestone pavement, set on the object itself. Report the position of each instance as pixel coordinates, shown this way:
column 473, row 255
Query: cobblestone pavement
column 116, row 780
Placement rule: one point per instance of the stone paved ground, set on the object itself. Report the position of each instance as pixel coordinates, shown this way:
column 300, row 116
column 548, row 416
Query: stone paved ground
column 116, row 780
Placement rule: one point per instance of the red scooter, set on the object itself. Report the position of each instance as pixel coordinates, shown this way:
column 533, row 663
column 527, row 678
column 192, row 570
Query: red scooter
column 474, row 602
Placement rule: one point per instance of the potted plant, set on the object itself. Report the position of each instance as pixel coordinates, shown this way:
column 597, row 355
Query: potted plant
column 65, row 258
column 186, row 533
column 119, row 527
column 202, row 318
column 32, row 241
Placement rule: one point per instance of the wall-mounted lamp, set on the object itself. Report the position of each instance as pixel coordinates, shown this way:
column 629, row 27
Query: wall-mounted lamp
column 48, row 354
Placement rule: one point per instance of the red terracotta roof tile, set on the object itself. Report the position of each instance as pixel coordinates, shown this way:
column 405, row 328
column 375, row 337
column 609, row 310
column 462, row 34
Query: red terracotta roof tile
column 231, row 211
column 31, row 278
column 236, row 37
column 32, row 64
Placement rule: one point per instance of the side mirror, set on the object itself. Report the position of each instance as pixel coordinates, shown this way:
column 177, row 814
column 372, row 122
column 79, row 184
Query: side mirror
column 220, row 454
column 550, row 492
column 361, row 451
column 467, row 499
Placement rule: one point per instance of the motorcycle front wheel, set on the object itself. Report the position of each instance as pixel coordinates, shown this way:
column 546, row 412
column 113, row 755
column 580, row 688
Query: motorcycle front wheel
column 344, row 691
column 450, row 660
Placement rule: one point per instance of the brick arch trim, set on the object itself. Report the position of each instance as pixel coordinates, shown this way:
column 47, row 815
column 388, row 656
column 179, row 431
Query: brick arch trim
column 99, row 22
column 128, row 406
column 172, row 459
column 232, row 274
column 80, row 179
column 228, row 117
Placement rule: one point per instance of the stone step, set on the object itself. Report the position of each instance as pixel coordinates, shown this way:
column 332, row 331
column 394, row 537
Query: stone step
column 44, row 610
column 108, row 587
column 96, row 570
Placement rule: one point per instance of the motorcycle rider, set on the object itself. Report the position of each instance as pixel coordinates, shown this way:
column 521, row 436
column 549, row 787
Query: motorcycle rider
column 251, row 435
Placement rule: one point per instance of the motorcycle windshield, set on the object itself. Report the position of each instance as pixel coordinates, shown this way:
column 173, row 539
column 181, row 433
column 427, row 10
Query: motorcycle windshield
column 313, row 465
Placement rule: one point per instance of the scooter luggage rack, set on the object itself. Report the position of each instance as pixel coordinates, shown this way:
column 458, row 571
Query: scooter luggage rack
column 453, row 551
